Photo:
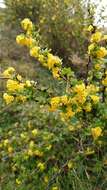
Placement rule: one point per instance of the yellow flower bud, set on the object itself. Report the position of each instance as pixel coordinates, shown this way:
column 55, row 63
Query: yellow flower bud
column 6, row 142
column 70, row 164
column 90, row 28
column 9, row 72
column 27, row 24
column 8, row 98
column 41, row 166
column 28, row 83
column 34, row 132
column 96, row 132
column 18, row 182
column 10, row 149
column 19, row 77
column 30, row 152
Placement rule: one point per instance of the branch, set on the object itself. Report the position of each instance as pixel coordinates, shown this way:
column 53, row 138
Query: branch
column 4, row 78
column 104, row 88
column 87, row 70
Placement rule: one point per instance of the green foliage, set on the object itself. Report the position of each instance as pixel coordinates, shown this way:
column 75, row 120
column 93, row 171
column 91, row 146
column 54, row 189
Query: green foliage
column 53, row 132
column 55, row 21
column 17, row 10
column 58, row 28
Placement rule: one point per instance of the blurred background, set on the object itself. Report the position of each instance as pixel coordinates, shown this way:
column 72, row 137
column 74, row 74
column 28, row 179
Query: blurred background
column 61, row 23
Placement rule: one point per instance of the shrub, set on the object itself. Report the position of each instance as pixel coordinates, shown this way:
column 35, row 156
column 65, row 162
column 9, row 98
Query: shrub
column 70, row 150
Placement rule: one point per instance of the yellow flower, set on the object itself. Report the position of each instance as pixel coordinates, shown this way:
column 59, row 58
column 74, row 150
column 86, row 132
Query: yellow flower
column 79, row 88
column 20, row 39
column 20, row 86
column 27, row 24
column 96, row 132
column 9, row 72
column 64, row 99
column 8, row 98
column 97, row 66
column 24, row 41
column 10, row 149
column 90, row 28
column 91, row 48
column 70, row 164
column 5, row 142
column 82, row 93
column 23, row 136
column 55, row 72
column 28, row 41
column 41, row 166
column 13, row 85
column 30, row 152
column 55, row 103
column 19, row 77
column 102, row 52
column 95, row 99
column 28, row 83
column 53, row 60
column 34, row 132
column 38, row 153
column 46, row 179
column 69, row 112
column 18, row 182
column 96, row 37
column 41, row 58
column 88, row 107
column 55, row 188
column 34, row 52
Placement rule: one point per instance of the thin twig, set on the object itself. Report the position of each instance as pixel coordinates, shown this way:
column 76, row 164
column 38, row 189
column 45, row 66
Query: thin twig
column 104, row 88
column 4, row 78
column 87, row 70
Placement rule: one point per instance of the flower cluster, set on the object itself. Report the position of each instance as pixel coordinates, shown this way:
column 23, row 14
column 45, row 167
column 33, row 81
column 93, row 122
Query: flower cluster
column 46, row 58
column 16, row 87
column 82, row 98
column 95, row 49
